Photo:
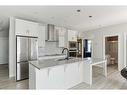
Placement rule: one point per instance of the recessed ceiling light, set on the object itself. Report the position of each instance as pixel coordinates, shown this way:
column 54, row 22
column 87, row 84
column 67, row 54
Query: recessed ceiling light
column 78, row 10
column 90, row 16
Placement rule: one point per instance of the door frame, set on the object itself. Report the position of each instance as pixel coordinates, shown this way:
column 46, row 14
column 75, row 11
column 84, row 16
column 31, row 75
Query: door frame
column 118, row 47
column 125, row 49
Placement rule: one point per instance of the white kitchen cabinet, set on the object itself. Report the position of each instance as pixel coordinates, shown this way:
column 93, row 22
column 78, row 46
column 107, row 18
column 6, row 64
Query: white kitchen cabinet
column 57, row 31
column 71, row 75
column 33, row 28
column 26, row 28
column 56, row 77
column 43, row 76
column 41, row 35
column 80, row 71
column 61, row 36
column 62, row 32
column 72, row 35
column 32, row 77
column 38, row 79
column 61, row 41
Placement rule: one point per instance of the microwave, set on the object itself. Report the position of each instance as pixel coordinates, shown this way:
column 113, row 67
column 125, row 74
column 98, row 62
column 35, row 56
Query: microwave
column 72, row 45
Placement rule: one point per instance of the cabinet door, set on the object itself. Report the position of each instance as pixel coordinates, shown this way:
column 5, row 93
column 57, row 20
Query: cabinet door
column 72, row 35
column 77, row 74
column 71, row 75
column 80, row 68
column 56, row 33
column 32, row 77
column 61, row 41
column 41, row 35
column 62, row 32
column 62, row 37
column 26, row 28
column 32, row 28
column 21, row 27
column 42, row 79
column 74, row 38
column 56, row 77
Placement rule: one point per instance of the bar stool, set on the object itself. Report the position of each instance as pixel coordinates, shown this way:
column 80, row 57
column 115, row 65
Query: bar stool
column 124, row 72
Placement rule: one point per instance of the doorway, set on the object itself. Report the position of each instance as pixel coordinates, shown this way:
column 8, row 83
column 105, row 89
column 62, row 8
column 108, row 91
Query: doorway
column 111, row 51
column 87, row 46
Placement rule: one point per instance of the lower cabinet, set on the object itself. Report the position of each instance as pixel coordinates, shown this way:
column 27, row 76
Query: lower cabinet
column 57, row 77
column 72, row 75
column 42, row 79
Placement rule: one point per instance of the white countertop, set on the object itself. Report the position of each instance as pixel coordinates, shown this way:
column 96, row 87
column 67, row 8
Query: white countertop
column 52, row 56
column 40, row 64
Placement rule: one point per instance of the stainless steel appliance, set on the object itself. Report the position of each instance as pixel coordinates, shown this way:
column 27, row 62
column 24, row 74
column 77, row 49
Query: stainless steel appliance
column 79, row 53
column 72, row 45
column 27, row 50
column 73, row 48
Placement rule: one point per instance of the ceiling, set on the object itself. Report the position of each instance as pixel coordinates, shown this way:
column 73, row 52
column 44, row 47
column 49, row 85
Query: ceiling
column 67, row 16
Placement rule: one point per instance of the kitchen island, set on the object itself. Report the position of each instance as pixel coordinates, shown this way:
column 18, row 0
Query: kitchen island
column 62, row 74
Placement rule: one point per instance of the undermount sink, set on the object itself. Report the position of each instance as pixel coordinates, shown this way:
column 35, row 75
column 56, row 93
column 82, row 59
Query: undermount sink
column 63, row 59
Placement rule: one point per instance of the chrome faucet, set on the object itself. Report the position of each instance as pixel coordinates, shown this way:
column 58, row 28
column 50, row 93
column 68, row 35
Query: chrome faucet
column 67, row 53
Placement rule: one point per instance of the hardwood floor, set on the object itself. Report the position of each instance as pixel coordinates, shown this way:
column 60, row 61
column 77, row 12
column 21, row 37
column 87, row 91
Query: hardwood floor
column 7, row 83
column 113, row 81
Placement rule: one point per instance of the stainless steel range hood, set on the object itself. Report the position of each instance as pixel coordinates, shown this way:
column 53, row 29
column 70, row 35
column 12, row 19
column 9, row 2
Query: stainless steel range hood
column 51, row 33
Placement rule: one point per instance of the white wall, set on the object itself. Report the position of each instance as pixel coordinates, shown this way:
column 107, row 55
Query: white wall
column 98, row 41
column 4, row 46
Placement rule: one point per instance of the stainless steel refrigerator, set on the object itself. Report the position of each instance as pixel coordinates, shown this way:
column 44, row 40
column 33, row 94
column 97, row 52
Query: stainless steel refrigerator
column 27, row 50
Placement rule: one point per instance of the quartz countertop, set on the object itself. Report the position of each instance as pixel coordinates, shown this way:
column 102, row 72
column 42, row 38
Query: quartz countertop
column 52, row 55
column 40, row 64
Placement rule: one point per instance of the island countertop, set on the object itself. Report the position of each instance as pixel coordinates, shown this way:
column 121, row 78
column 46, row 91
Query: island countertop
column 40, row 64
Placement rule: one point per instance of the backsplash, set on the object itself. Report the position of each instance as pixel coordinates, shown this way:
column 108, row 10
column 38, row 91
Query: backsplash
column 49, row 49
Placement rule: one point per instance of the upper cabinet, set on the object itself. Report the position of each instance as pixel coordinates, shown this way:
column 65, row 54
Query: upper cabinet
column 72, row 35
column 61, row 31
column 41, row 35
column 26, row 28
